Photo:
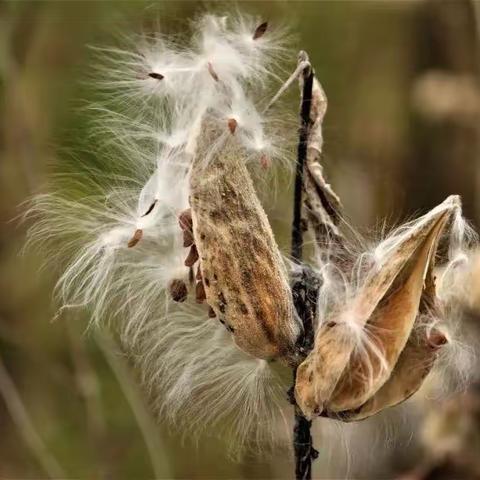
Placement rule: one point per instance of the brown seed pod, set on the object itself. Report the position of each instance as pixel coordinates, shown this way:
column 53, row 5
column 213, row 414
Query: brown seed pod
column 243, row 273
column 333, row 378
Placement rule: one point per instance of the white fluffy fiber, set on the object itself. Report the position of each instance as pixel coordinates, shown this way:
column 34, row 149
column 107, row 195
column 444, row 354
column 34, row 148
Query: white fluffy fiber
column 150, row 127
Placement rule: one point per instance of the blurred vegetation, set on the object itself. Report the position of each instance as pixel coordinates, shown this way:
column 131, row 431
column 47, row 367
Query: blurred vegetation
column 401, row 134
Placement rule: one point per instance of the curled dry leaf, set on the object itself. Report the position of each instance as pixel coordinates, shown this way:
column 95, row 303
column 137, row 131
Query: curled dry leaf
column 337, row 376
column 321, row 204
column 245, row 281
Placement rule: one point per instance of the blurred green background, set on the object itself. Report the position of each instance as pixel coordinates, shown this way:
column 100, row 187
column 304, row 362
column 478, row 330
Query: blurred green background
column 401, row 133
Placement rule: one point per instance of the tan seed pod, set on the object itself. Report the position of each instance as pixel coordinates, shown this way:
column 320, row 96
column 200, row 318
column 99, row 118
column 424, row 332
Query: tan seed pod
column 333, row 378
column 414, row 364
column 246, row 283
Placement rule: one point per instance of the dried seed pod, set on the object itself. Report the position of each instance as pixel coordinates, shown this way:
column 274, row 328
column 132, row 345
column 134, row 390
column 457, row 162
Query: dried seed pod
column 414, row 364
column 212, row 72
column 178, row 290
column 137, row 236
column 243, row 273
column 333, row 378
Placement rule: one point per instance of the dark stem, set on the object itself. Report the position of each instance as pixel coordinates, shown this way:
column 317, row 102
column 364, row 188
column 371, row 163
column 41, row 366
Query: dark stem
column 304, row 289
column 297, row 227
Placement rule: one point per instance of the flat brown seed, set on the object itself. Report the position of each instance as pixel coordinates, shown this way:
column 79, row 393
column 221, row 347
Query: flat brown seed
column 150, row 208
column 264, row 161
column 156, row 76
column 260, row 30
column 137, row 236
column 436, row 339
column 187, row 238
column 185, row 219
column 232, row 125
column 200, row 292
column 211, row 312
column 192, row 256
column 178, row 290
column 212, row 72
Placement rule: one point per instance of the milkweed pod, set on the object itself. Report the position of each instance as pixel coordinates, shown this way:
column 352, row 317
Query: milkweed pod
column 413, row 366
column 339, row 374
column 246, row 283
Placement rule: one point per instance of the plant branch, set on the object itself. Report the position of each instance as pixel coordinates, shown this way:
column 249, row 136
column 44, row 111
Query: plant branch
column 303, row 291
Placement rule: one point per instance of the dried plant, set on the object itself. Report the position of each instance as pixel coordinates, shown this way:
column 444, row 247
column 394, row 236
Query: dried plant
column 192, row 136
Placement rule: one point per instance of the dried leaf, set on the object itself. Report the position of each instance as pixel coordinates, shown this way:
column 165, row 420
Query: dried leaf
column 322, row 205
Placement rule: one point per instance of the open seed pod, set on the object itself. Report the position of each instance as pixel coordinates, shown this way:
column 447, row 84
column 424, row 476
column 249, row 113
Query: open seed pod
column 368, row 356
column 245, row 281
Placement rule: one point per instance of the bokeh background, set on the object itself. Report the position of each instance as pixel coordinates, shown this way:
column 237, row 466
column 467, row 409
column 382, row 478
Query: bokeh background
column 402, row 132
